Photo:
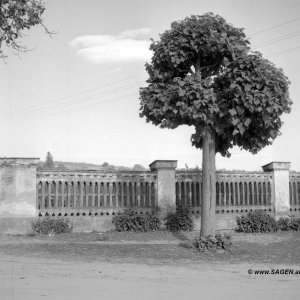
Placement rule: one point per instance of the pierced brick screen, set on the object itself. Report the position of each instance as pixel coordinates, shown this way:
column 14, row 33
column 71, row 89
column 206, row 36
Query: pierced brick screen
column 234, row 191
column 295, row 191
column 70, row 193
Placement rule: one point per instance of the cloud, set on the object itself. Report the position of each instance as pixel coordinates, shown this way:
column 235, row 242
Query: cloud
column 128, row 46
column 114, row 70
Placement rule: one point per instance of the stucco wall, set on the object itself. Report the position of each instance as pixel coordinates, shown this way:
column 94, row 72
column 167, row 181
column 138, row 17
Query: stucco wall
column 17, row 187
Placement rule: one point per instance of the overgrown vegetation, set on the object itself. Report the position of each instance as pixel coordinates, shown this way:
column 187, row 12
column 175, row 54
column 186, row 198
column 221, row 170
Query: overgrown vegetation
column 256, row 221
column 131, row 220
column 179, row 220
column 210, row 243
column 289, row 224
column 50, row 225
column 260, row 221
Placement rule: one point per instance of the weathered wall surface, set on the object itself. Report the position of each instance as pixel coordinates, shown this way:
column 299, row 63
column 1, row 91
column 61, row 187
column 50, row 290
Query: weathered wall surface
column 17, row 194
column 166, row 194
column 90, row 199
column 281, row 192
column 18, row 187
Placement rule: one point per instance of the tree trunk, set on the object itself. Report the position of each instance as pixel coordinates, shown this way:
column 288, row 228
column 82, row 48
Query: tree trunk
column 208, row 205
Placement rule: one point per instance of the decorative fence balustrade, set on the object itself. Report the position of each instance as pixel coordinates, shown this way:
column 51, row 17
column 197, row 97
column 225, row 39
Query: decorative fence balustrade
column 234, row 191
column 294, row 191
column 91, row 192
column 60, row 193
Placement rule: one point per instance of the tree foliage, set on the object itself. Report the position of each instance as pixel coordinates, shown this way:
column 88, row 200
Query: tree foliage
column 17, row 16
column 138, row 167
column 49, row 164
column 203, row 73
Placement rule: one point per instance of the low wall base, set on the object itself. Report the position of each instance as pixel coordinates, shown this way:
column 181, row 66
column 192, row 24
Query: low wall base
column 224, row 221
column 92, row 223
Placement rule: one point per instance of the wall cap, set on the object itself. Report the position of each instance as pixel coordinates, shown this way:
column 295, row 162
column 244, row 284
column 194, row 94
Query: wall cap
column 163, row 165
column 22, row 161
column 276, row 165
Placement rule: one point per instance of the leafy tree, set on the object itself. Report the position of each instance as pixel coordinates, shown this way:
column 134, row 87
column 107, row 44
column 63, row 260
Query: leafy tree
column 138, row 167
column 49, row 164
column 204, row 74
column 17, row 16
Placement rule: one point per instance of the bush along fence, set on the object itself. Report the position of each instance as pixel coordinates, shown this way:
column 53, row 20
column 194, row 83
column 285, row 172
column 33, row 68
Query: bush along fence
column 91, row 198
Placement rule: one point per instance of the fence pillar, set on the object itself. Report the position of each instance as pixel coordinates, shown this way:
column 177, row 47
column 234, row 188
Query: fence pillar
column 17, row 192
column 166, row 196
column 280, row 190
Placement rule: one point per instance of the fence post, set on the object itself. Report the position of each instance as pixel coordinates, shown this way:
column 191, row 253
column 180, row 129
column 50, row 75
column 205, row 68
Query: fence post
column 280, row 189
column 166, row 196
column 17, row 193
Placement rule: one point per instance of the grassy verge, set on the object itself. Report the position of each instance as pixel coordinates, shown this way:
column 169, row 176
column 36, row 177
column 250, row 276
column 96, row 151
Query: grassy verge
column 161, row 247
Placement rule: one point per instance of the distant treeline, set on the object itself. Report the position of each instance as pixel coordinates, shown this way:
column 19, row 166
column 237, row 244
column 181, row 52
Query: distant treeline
column 65, row 166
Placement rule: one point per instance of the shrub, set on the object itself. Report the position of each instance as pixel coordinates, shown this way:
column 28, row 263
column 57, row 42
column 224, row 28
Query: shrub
column 256, row 221
column 130, row 220
column 288, row 223
column 179, row 220
column 210, row 243
column 284, row 224
column 49, row 225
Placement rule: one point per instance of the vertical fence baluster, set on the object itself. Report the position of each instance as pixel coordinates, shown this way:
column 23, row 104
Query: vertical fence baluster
column 219, row 194
column 269, row 193
column 62, row 199
column 234, row 184
column 194, row 194
column 238, row 193
column 149, row 193
column 43, row 195
column 105, row 194
column 68, row 194
column 297, row 193
column 127, row 194
column 116, row 194
column 56, row 194
column 92, row 190
column 110, row 194
column 80, row 194
column 99, row 193
column 292, row 201
column 253, row 192
column 121, row 191
column 183, row 193
column 179, row 193
column 138, row 192
column 49, row 195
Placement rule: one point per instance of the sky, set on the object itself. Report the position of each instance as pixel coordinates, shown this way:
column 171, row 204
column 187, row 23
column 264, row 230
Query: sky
column 76, row 94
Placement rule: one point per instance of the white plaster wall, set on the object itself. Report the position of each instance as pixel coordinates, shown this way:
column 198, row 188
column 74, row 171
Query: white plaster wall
column 166, row 189
column 18, row 189
column 281, row 192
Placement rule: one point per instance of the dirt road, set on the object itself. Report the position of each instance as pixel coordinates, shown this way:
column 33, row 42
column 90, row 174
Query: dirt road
column 31, row 278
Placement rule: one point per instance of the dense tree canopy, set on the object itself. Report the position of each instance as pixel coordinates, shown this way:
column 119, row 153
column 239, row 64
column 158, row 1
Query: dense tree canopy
column 203, row 73
column 16, row 16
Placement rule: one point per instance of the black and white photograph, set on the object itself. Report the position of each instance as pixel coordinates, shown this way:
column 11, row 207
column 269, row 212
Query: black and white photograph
column 149, row 149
